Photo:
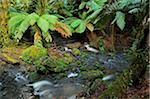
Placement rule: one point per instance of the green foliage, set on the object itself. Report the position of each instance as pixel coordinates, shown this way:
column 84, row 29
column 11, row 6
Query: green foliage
column 76, row 51
column 120, row 19
column 33, row 54
column 19, row 23
column 92, row 74
column 20, row 4
column 123, row 7
column 96, row 4
column 101, row 45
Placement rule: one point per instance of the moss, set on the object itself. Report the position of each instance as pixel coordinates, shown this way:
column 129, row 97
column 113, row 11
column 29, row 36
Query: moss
column 68, row 58
column 33, row 54
column 91, row 74
column 49, row 63
column 10, row 59
column 76, row 51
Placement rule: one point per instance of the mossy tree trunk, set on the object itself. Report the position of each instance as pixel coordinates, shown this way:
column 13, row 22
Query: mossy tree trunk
column 4, row 36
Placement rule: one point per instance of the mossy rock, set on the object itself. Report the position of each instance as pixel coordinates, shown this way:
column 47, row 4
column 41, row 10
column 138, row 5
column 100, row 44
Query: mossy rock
column 76, row 51
column 48, row 63
column 33, row 54
column 91, row 74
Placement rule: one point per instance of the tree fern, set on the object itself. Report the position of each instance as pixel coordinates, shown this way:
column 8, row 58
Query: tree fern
column 14, row 22
column 22, row 28
column 19, row 23
column 52, row 19
column 33, row 18
column 43, row 24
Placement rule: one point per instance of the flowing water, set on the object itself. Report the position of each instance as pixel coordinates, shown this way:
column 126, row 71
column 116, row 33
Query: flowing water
column 13, row 80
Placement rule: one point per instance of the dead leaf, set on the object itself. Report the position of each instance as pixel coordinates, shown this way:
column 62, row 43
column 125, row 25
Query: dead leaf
column 63, row 29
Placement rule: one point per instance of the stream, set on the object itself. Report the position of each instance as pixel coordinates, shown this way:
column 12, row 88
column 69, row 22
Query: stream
column 14, row 80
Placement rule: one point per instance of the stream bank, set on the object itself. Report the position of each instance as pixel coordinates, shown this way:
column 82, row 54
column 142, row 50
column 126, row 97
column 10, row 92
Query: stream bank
column 82, row 74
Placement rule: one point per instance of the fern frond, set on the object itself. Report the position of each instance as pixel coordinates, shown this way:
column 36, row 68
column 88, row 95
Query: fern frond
column 14, row 22
column 33, row 18
column 22, row 28
column 43, row 25
column 63, row 29
column 47, row 36
column 52, row 19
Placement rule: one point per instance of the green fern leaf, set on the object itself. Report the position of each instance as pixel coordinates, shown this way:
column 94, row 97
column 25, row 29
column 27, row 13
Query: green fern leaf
column 33, row 18
column 14, row 22
column 22, row 28
column 43, row 24
column 47, row 37
column 51, row 27
column 52, row 19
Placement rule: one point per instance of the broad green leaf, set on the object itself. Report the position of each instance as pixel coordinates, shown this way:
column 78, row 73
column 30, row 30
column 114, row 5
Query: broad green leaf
column 96, row 4
column 52, row 19
column 93, row 15
column 81, row 28
column 43, row 24
column 120, row 19
column 75, row 23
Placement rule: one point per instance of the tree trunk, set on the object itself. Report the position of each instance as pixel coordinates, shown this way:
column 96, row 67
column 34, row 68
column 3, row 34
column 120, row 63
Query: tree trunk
column 4, row 36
